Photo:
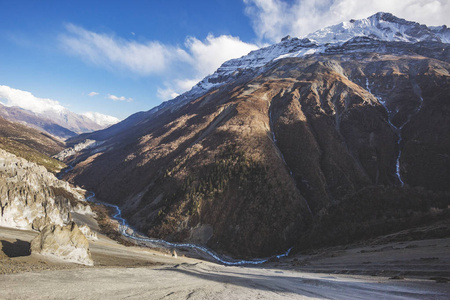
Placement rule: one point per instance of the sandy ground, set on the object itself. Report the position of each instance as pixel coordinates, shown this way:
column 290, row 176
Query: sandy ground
column 138, row 273
column 413, row 259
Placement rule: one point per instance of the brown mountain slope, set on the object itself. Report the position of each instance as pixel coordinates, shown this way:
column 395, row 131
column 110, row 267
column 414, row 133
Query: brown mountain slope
column 246, row 166
column 31, row 144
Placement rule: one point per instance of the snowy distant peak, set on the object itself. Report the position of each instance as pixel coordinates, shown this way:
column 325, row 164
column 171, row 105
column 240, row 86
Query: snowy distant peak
column 37, row 112
column 380, row 26
column 442, row 31
column 101, row 119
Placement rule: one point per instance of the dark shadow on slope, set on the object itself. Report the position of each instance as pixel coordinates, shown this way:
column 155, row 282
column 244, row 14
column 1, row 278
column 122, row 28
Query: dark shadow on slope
column 16, row 249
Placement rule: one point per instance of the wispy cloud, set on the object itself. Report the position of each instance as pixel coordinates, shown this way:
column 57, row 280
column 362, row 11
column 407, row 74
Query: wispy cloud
column 122, row 98
column 92, row 94
column 182, row 66
column 117, row 53
column 273, row 19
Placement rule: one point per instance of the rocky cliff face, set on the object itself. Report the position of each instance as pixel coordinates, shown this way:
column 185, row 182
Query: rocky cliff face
column 31, row 197
column 269, row 144
column 71, row 151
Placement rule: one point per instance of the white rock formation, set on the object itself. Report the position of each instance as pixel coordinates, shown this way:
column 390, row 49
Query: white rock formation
column 86, row 144
column 83, row 209
column 63, row 242
column 27, row 195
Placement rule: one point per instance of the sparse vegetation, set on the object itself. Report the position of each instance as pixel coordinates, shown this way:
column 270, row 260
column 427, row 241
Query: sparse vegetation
column 376, row 211
column 30, row 144
column 214, row 180
column 30, row 154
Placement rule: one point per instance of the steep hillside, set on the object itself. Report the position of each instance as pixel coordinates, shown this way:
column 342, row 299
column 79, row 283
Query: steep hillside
column 30, row 144
column 255, row 152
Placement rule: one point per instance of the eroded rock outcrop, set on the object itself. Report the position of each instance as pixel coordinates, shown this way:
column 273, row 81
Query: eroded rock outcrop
column 63, row 242
column 68, row 152
column 31, row 197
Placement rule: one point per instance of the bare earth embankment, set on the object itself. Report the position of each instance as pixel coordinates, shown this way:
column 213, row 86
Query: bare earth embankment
column 138, row 273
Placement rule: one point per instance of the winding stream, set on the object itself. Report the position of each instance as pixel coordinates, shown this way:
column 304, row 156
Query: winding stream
column 124, row 226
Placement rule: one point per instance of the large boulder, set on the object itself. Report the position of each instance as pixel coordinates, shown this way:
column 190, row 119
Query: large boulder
column 63, row 242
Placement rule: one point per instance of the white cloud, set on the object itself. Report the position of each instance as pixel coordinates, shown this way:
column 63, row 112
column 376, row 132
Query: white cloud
column 205, row 57
column 273, row 19
column 122, row 98
column 183, row 67
column 92, row 94
column 186, row 84
column 170, row 88
column 117, row 53
column 208, row 55
column 166, row 93
column 100, row 119
column 26, row 100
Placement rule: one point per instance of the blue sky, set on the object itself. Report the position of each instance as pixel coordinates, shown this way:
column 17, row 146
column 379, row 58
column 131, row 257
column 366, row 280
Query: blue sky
column 120, row 57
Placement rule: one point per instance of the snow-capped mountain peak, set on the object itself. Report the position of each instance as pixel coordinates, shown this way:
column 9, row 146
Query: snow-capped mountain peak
column 380, row 26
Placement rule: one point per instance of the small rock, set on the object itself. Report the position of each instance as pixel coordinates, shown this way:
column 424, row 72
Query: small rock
column 274, row 259
column 397, row 277
column 129, row 231
column 174, row 253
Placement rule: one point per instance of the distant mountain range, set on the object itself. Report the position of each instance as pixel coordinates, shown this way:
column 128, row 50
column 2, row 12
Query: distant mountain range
column 47, row 115
column 292, row 141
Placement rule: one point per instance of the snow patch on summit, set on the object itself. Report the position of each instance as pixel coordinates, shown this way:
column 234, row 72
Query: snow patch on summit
column 381, row 26
column 350, row 35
